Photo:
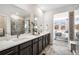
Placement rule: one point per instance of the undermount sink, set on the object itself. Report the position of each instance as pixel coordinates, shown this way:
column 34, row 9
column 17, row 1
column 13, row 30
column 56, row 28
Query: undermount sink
column 18, row 39
column 24, row 38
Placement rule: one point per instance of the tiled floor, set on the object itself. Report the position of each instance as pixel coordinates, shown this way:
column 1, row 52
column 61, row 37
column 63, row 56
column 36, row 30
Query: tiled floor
column 59, row 47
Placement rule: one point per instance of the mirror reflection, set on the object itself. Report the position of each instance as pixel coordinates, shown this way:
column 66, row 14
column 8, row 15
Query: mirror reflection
column 20, row 25
column 17, row 25
column 27, row 25
column 2, row 26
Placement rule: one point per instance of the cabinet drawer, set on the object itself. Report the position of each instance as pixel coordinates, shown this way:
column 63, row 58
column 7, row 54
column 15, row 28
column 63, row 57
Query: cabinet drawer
column 40, row 38
column 35, row 40
column 26, row 44
column 9, row 51
column 26, row 51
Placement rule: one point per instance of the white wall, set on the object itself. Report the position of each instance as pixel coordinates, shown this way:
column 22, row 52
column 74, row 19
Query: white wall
column 48, row 20
column 9, row 9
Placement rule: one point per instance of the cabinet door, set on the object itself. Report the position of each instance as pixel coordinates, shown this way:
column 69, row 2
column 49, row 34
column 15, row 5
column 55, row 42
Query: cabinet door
column 35, row 47
column 46, row 39
column 26, row 44
column 26, row 51
column 44, row 42
column 23, row 51
column 40, row 44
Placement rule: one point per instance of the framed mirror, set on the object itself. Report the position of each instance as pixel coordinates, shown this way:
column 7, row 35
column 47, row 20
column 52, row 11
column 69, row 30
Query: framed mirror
column 17, row 25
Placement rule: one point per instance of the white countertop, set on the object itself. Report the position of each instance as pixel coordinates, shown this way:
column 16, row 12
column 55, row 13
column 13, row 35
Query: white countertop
column 10, row 42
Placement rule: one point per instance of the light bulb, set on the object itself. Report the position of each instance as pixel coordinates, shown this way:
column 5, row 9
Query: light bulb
column 35, row 18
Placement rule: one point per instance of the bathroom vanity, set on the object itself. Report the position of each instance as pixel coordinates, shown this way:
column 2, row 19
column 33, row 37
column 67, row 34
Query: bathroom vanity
column 28, row 45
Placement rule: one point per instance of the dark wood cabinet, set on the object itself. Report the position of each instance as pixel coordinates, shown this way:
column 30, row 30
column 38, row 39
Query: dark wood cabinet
column 47, row 39
column 40, row 44
column 35, row 46
column 26, row 48
column 26, row 44
column 32, row 47
column 10, row 51
column 26, row 51
column 44, row 41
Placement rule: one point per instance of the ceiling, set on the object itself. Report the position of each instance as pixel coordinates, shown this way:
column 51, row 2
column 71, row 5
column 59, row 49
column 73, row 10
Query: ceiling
column 39, row 8
column 43, row 7
column 9, row 9
column 48, row 7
